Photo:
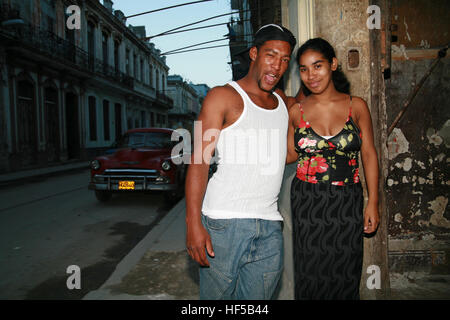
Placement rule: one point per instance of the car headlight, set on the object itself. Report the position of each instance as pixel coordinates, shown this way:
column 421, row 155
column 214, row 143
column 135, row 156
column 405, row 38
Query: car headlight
column 95, row 164
column 166, row 165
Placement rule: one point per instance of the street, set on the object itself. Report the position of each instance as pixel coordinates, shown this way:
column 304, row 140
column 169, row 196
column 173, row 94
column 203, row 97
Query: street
column 55, row 222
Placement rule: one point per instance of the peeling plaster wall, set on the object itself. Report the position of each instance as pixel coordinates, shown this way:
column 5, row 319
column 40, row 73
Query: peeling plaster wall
column 343, row 24
column 418, row 180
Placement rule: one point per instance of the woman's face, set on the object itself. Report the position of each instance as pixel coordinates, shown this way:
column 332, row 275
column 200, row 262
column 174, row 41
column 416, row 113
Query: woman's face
column 316, row 71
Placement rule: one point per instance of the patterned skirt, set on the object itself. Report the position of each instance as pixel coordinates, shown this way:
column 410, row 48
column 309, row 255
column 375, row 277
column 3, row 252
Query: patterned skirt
column 327, row 240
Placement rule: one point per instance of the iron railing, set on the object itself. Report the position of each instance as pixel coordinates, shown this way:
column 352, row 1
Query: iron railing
column 49, row 44
column 56, row 48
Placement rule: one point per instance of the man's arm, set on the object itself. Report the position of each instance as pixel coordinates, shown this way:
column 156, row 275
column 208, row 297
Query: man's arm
column 288, row 100
column 212, row 116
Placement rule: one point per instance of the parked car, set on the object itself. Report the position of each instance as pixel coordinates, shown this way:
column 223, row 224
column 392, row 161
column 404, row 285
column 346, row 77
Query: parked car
column 141, row 161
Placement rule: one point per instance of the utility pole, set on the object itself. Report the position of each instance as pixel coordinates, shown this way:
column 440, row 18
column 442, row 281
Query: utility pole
column 376, row 247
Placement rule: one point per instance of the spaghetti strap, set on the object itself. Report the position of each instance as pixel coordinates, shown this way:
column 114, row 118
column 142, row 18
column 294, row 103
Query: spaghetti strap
column 301, row 111
column 350, row 109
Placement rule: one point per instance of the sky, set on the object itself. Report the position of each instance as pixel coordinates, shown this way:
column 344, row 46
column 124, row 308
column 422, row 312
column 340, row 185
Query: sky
column 208, row 66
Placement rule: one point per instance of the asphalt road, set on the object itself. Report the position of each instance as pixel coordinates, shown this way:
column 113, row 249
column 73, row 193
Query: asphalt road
column 52, row 223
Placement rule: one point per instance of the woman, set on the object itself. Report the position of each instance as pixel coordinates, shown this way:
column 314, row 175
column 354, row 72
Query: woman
column 327, row 131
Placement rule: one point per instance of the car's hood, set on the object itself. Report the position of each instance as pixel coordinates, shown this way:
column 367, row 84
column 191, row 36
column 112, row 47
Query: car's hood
column 134, row 156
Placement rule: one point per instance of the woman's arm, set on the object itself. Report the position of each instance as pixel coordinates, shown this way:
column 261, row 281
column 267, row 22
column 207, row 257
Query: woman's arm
column 370, row 164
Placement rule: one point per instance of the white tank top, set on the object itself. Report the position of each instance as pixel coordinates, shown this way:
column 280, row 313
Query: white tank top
column 252, row 157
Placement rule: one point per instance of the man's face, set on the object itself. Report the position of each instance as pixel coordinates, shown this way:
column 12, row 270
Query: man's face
column 270, row 61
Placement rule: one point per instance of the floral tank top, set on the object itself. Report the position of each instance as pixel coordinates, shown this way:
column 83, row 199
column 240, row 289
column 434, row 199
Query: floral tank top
column 328, row 160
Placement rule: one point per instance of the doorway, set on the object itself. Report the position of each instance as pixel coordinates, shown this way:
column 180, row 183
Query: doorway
column 26, row 123
column 72, row 126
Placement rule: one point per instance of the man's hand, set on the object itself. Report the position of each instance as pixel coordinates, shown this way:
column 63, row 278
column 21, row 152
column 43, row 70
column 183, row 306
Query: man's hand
column 197, row 238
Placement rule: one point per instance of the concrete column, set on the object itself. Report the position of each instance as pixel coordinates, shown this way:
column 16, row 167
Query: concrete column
column 299, row 17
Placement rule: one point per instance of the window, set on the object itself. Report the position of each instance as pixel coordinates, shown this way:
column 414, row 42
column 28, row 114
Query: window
column 157, row 80
column 143, row 124
column 106, row 133
column 92, row 119
column 50, row 24
column 118, row 118
column 150, row 75
column 116, row 55
column 91, row 42
column 26, row 116
column 127, row 62
column 105, row 47
column 135, row 70
column 142, row 70
column 153, row 140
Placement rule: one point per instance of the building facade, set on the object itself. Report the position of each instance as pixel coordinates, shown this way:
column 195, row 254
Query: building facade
column 68, row 91
column 392, row 52
column 186, row 103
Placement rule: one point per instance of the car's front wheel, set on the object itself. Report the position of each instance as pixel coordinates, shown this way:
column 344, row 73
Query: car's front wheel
column 103, row 196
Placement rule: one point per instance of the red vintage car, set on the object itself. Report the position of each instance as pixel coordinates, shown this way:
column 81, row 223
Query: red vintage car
column 142, row 161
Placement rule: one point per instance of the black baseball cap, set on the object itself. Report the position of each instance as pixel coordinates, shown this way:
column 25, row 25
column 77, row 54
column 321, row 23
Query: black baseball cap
column 273, row 32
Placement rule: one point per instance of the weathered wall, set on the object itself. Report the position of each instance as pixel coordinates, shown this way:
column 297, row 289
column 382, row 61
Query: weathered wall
column 418, row 180
column 417, row 184
column 343, row 24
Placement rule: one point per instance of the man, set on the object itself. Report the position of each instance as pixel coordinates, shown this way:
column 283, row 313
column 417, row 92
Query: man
column 233, row 222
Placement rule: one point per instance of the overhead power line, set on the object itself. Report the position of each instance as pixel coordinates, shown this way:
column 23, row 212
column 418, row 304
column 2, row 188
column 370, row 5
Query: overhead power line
column 211, row 47
column 196, row 28
column 222, row 45
column 190, row 24
column 197, row 44
column 178, row 5
column 193, row 45
column 204, row 27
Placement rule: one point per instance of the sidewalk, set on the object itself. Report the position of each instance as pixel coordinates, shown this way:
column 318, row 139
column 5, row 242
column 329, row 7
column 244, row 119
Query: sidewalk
column 158, row 268
column 22, row 175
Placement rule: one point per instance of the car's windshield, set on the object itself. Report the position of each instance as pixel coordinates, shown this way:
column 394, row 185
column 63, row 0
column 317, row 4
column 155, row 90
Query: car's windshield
column 153, row 140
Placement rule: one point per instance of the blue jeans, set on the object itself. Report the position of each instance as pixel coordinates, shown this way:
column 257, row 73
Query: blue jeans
column 247, row 262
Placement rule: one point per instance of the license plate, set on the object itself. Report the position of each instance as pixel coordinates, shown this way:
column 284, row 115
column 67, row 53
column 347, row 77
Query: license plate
column 126, row 185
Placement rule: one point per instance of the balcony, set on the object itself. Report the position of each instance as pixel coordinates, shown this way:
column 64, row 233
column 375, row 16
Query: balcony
column 33, row 41
column 164, row 99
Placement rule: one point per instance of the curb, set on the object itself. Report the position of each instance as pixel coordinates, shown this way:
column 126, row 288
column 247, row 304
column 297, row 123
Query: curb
column 23, row 175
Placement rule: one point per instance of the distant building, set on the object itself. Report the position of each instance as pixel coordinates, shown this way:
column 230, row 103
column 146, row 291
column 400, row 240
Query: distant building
column 252, row 16
column 186, row 103
column 202, row 90
column 242, row 38
column 69, row 94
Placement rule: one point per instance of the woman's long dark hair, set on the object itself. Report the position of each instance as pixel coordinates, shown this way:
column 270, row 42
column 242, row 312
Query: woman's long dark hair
column 324, row 47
